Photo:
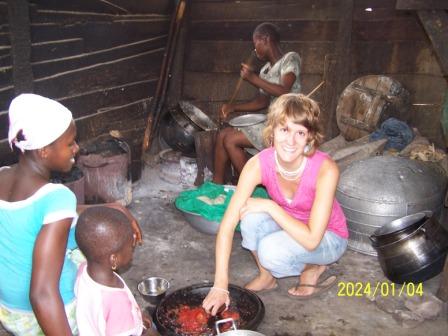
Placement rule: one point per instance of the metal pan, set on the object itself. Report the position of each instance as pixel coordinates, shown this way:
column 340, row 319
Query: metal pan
column 248, row 120
column 197, row 116
column 246, row 303
column 252, row 126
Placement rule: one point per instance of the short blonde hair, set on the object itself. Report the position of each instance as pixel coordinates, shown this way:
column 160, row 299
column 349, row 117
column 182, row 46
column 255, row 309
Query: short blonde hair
column 300, row 110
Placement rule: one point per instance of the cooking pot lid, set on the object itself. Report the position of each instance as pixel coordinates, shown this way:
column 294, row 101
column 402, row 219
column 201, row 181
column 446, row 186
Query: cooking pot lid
column 197, row 116
column 247, row 120
column 392, row 180
column 402, row 223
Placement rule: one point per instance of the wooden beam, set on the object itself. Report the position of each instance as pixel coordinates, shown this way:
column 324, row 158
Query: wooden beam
column 93, row 33
column 62, row 64
column 110, row 6
column 300, row 30
column 177, row 75
column 19, row 27
column 421, row 4
column 436, row 26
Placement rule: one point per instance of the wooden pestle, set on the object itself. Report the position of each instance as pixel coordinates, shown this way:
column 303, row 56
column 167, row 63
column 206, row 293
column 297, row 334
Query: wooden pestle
column 249, row 62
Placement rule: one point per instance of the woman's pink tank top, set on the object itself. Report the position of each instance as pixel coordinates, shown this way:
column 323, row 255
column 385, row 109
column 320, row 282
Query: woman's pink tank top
column 300, row 205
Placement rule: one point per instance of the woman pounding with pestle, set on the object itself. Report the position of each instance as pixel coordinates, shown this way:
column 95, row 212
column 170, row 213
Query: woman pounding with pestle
column 279, row 75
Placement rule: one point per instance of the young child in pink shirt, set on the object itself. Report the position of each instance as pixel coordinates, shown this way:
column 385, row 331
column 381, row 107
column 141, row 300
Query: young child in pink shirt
column 105, row 305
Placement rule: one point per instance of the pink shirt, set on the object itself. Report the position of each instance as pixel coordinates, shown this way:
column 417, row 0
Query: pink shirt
column 104, row 311
column 302, row 202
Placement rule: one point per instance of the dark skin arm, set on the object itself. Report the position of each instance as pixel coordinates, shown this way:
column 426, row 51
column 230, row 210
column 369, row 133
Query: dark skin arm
column 134, row 224
column 48, row 259
column 276, row 90
column 261, row 101
column 147, row 322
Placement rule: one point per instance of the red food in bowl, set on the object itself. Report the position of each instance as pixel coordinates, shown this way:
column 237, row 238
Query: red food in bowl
column 193, row 320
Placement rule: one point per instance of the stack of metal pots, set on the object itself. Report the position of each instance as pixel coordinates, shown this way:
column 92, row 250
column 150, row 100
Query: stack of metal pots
column 378, row 190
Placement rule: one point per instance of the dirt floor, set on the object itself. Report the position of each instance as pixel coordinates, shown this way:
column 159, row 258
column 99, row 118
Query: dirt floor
column 174, row 250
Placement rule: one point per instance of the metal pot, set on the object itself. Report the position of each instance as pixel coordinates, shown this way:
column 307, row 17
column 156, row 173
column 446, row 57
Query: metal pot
column 415, row 251
column 235, row 331
column 246, row 303
column 178, row 131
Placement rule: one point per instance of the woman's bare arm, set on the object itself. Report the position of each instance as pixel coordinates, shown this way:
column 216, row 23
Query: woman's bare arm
column 250, row 177
column 48, row 260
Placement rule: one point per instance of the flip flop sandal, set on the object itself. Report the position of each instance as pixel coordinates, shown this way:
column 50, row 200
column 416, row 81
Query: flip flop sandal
column 328, row 273
column 320, row 288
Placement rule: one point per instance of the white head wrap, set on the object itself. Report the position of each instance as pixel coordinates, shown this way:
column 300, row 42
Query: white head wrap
column 41, row 120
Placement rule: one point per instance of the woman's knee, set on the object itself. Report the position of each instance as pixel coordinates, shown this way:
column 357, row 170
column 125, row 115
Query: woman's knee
column 235, row 139
column 222, row 134
column 251, row 222
column 267, row 254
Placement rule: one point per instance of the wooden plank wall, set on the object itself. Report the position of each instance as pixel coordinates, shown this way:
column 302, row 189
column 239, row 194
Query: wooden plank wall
column 384, row 41
column 99, row 58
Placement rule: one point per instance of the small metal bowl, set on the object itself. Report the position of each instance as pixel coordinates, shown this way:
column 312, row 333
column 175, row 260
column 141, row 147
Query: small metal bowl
column 153, row 289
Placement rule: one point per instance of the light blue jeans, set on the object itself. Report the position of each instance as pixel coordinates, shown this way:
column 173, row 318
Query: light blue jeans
column 279, row 253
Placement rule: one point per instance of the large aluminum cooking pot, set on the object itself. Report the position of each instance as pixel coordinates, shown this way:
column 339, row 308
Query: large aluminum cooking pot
column 380, row 189
column 234, row 331
column 412, row 248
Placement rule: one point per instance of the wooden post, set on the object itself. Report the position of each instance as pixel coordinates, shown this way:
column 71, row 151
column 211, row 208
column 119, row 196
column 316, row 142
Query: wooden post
column 436, row 26
column 175, row 88
column 19, row 30
column 340, row 77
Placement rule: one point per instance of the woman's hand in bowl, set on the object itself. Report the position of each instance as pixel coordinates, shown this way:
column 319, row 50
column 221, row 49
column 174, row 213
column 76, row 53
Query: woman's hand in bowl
column 215, row 298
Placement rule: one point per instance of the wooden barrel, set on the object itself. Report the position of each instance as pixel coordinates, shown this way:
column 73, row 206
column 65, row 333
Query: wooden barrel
column 367, row 101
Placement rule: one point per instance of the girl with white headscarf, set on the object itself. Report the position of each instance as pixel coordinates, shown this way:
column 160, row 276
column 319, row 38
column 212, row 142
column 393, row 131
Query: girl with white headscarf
column 37, row 221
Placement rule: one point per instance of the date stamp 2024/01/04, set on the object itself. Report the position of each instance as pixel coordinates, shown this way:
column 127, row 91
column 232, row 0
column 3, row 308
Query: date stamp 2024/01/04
column 382, row 288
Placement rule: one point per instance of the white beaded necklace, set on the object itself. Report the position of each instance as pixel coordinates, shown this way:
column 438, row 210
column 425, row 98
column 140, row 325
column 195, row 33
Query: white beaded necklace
column 290, row 175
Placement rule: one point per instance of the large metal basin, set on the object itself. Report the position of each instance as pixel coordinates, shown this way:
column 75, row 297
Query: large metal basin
column 202, row 224
column 378, row 190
